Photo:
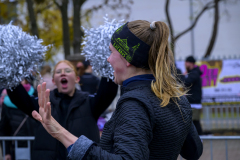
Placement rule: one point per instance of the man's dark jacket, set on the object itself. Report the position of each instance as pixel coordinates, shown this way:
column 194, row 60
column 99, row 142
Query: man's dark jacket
column 141, row 129
column 194, row 83
column 80, row 119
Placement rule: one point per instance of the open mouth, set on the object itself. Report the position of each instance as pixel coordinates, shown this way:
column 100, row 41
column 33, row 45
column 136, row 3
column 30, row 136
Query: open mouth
column 64, row 82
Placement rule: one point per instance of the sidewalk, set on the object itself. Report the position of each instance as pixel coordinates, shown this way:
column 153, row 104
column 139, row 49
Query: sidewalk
column 219, row 150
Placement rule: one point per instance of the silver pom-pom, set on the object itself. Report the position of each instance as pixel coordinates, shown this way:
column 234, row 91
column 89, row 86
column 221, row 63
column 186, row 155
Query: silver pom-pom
column 96, row 46
column 20, row 55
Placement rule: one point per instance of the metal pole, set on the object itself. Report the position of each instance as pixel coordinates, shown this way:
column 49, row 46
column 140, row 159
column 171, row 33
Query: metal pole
column 192, row 31
column 238, row 122
column 29, row 147
column 16, row 146
column 211, row 150
column 4, row 149
column 232, row 116
column 226, row 149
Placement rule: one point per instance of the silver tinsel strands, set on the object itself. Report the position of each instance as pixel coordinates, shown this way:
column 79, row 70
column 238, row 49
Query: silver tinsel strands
column 20, row 55
column 96, row 46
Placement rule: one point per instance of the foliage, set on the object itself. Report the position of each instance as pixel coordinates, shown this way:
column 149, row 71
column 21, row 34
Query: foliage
column 49, row 18
column 7, row 11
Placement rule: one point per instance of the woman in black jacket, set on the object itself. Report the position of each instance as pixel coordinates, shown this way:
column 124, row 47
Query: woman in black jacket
column 75, row 110
column 153, row 119
column 15, row 123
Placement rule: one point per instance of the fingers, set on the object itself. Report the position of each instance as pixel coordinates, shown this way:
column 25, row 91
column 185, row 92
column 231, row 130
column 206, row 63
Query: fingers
column 37, row 116
column 47, row 94
column 48, row 110
column 43, row 94
column 39, row 89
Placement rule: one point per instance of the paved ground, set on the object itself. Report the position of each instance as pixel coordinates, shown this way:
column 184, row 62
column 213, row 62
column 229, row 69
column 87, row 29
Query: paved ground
column 219, row 150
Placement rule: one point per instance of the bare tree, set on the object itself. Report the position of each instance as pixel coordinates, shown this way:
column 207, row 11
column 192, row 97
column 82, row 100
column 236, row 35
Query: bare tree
column 212, row 4
column 63, row 6
column 215, row 29
column 77, row 32
column 34, row 28
column 77, row 5
column 172, row 43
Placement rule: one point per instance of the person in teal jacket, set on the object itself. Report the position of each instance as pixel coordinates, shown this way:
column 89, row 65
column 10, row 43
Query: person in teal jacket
column 14, row 122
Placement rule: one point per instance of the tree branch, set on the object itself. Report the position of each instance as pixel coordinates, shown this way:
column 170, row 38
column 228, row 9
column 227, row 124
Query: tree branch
column 58, row 5
column 215, row 29
column 92, row 9
column 170, row 25
column 42, row 9
column 106, row 3
column 206, row 7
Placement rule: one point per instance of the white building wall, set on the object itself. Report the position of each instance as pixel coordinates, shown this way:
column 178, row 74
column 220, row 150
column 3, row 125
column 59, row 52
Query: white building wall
column 228, row 38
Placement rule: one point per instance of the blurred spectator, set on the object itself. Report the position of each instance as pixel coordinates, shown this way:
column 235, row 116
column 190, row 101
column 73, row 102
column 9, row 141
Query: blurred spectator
column 1, row 99
column 47, row 77
column 88, row 82
column 180, row 75
column 194, row 83
column 14, row 122
column 1, row 89
column 80, row 69
column 75, row 110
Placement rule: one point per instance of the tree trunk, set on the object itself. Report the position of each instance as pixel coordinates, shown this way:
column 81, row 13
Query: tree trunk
column 77, row 32
column 65, row 27
column 215, row 29
column 172, row 43
column 34, row 28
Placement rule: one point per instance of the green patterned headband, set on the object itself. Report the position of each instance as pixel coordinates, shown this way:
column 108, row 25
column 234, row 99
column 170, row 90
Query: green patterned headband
column 134, row 50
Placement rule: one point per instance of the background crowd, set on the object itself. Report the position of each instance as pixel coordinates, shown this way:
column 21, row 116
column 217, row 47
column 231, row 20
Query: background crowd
column 207, row 33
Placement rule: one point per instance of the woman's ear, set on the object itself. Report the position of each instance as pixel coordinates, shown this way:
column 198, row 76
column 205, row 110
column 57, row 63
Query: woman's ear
column 53, row 82
column 128, row 64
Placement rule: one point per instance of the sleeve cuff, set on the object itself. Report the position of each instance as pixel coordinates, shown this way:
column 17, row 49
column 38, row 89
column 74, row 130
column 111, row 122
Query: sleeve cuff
column 78, row 150
column 69, row 148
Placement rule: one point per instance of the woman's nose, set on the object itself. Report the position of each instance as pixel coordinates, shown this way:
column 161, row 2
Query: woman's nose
column 108, row 59
column 62, row 72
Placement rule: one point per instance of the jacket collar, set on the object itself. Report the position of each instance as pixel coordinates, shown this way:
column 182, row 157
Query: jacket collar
column 135, row 85
column 78, row 99
column 142, row 77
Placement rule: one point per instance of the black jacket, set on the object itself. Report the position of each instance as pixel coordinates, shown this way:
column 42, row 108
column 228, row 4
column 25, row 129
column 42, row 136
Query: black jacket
column 141, row 129
column 89, row 83
column 10, row 121
column 194, row 83
column 180, row 75
column 80, row 118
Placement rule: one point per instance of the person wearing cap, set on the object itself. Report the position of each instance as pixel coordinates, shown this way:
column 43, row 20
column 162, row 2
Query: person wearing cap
column 194, row 83
column 88, row 82
column 153, row 118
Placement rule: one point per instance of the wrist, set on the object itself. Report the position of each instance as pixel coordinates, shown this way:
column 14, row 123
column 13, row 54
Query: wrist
column 57, row 129
column 66, row 138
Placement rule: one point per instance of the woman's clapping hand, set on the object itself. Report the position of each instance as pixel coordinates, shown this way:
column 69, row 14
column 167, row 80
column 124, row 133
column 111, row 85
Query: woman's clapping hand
column 44, row 116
